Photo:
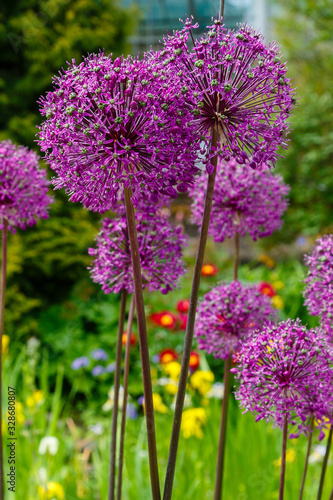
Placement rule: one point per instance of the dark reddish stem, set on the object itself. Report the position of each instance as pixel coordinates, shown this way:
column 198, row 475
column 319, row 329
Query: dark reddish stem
column 331, row 495
column 124, row 408
column 306, row 460
column 143, row 342
column 236, row 258
column 283, row 458
column 2, row 316
column 323, row 470
column 189, row 331
column 116, row 385
column 223, row 432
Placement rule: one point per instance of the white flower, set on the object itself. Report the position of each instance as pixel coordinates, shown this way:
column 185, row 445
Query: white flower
column 318, row 453
column 48, row 444
column 96, row 429
column 109, row 403
column 216, row 391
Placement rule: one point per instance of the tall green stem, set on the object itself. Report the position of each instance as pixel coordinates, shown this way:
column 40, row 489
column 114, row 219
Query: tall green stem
column 283, row 458
column 124, row 408
column 116, row 385
column 2, row 316
column 189, row 331
column 323, row 470
column 223, row 432
column 143, row 341
column 236, row 257
column 306, row 460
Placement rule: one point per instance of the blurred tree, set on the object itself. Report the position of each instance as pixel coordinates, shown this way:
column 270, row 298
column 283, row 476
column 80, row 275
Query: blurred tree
column 37, row 37
column 304, row 29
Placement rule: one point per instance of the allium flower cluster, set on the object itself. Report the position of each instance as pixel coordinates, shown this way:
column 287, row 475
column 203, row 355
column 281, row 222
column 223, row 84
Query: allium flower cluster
column 319, row 282
column 245, row 201
column 23, row 187
column 237, row 84
column 286, row 372
column 227, row 315
column 160, row 246
column 117, row 123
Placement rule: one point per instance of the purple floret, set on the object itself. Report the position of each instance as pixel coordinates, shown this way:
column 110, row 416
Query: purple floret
column 235, row 82
column 81, row 362
column 160, row 246
column 23, row 187
column 245, row 201
column 99, row 355
column 286, row 372
column 227, row 315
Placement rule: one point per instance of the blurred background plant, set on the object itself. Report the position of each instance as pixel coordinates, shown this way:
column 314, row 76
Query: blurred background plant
column 55, row 315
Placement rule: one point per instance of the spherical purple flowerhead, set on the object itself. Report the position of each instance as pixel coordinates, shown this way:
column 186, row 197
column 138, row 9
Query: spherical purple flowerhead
column 245, row 201
column 117, row 123
column 319, row 282
column 23, row 187
column 160, row 246
column 237, row 84
column 227, row 315
column 286, row 371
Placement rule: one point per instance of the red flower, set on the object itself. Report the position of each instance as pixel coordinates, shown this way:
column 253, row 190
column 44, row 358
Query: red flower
column 183, row 306
column 165, row 318
column 183, row 321
column 194, row 360
column 209, row 270
column 124, row 339
column 167, row 355
column 266, row 289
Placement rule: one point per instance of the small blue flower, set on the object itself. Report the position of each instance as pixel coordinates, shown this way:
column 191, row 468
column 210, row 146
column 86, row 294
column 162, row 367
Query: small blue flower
column 99, row 355
column 98, row 370
column 131, row 411
column 111, row 368
column 81, row 362
column 141, row 400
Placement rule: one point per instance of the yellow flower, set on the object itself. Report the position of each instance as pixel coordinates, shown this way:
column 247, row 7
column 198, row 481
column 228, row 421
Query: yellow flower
column 158, row 404
column 290, row 457
column 278, row 285
column 173, row 370
column 192, row 422
column 172, row 388
column 36, row 397
column 278, row 302
column 202, row 381
column 268, row 261
column 5, row 342
column 51, row 491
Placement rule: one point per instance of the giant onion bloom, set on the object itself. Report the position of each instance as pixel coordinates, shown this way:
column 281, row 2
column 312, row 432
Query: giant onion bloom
column 286, row 372
column 114, row 124
column 23, row 187
column 318, row 291
column 245, row 201
column 234, row 82
column 227, row 315
column 160, row 247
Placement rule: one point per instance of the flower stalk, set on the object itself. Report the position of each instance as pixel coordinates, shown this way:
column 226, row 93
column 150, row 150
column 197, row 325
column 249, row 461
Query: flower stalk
column 323, row 470
column 117, row 372
column 306, row 460
column 124, row 408
column 190, row 329
column 2, row 312
column 143, row 342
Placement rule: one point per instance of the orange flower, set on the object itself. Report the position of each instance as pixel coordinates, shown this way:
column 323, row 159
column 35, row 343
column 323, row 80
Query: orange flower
column 167, row 355
column 266, row 289
column 209, row 270
column 194, row 360
column 166, row 319
column 183, row 306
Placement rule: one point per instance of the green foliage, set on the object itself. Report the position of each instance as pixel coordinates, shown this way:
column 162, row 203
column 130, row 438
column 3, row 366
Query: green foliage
column 305, row 29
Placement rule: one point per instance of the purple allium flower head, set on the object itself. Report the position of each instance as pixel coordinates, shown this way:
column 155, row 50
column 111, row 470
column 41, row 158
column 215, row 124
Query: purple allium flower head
column 237, row 84
column 227, row 315
column 160, row 246
column 286, row 371
column 245, row 201
column 117, row 123
column 99, row 355
column 81, row 362
column 23, row 187
column 98, row 370
column 318, row 292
